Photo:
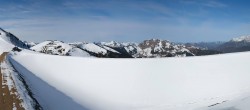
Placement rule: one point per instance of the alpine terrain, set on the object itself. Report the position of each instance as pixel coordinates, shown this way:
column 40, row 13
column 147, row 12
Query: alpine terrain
column 152, row 75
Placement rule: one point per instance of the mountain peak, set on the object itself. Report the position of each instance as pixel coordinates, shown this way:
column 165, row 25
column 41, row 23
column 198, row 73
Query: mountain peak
column 2, row 32
column 11, row 39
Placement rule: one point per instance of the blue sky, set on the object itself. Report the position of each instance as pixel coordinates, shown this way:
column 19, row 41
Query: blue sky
column 126, row 20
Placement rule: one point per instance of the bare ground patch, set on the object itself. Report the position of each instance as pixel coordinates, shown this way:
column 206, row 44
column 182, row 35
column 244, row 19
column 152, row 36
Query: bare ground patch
column 9, row 97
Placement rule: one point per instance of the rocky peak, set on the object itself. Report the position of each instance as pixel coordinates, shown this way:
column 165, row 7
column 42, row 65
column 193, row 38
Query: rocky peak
column 152, row 43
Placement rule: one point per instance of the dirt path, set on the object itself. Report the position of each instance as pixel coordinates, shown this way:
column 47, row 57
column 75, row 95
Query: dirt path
column 8, row 97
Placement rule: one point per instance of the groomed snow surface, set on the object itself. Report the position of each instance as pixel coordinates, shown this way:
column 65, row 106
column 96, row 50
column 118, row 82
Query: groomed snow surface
column 214, row 82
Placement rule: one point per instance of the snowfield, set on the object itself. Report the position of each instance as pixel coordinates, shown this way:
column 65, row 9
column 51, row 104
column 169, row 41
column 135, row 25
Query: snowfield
column 193, row 83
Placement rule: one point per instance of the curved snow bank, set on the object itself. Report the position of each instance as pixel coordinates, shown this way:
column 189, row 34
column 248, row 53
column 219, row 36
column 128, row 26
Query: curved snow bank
column 148, row 84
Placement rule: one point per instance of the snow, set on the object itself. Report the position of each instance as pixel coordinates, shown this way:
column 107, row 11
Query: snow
column 241, row 38
column 47, row 96
column 136, row 84
column 39, row 47
column 5, row 43
column 78, row 53
column 109, row 49
column 13, row 81
column 240, row 103
column 52, row 47
column 147, row 51
column 93, row 48
column 5, row 46
column 30, row 44
column 3, row 35
column 112, row 44
column 133, row 49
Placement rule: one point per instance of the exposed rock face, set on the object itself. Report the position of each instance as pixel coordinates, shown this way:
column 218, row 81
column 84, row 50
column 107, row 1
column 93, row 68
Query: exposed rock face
column 162, row 48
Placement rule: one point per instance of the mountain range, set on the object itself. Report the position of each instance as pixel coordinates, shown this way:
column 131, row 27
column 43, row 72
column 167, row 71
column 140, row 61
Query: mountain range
column 151, row 48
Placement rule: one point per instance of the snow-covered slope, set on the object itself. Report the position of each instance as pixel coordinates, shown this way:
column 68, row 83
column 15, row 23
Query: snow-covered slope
column 30, row 44
column 112, row 44
column 240, row 103
column 5, row 45
column 78, row 52
column 135, row 84
column 52, row 47
column 11, row 39
column 93, row 48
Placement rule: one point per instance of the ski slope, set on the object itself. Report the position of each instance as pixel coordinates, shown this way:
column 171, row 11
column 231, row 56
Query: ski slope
column 193, row 83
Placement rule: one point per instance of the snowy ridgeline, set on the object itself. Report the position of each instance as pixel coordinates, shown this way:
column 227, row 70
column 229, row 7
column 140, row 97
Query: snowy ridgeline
column 149, row 48
column 196, row 83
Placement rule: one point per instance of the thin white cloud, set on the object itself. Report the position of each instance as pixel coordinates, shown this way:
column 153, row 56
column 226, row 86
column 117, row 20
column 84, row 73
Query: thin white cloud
column 125, row 26
column 207, row 3
column 215, row 4
column 120, row 7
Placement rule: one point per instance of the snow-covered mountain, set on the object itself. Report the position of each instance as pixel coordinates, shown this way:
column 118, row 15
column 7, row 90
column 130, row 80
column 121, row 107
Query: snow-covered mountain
column 147, row 49
column 52, row 47
column 100, row 50
column 59, row 48
column 128, row 50
column 150, row 48
column 238, row 44
column 8, row 41
column 162, row 48
column 12, row 39
column 241, row 39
